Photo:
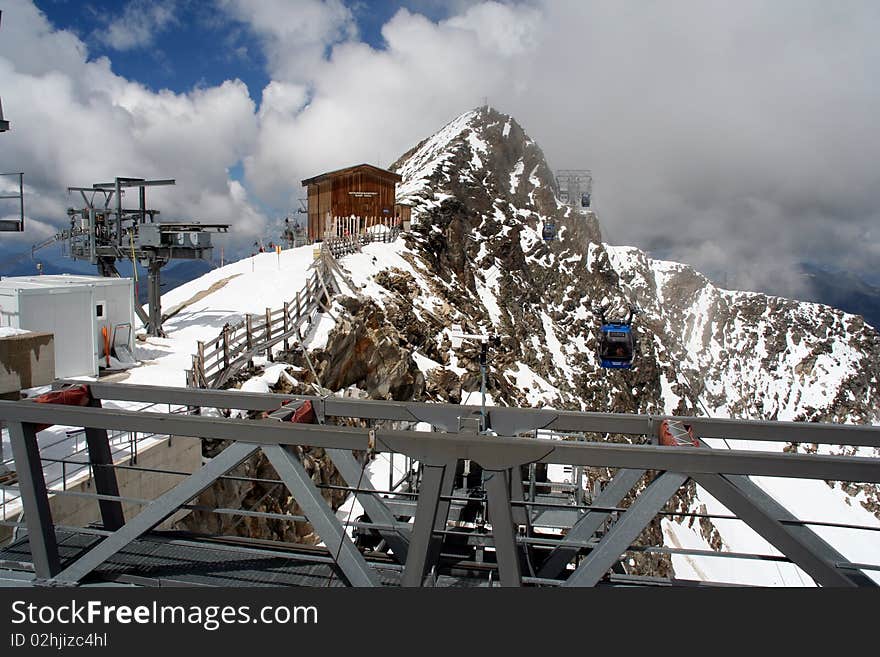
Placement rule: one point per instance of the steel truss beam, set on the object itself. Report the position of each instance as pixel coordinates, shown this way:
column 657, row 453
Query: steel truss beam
column 719, row 471
column 800, row 544
column 431, row 514
column 101, row 460
column 34, row 500
column 379, row 513
column 326, row 524
column 492, row 453
column 503, row 529
column 160, row 509
column 505, row 421
column 584, row 529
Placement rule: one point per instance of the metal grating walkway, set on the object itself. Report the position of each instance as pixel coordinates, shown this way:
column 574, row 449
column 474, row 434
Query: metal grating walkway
column 159, row 561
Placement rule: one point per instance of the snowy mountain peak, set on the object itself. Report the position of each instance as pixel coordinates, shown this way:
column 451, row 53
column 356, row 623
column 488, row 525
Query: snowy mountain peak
column 481, row 193
column 486, row 157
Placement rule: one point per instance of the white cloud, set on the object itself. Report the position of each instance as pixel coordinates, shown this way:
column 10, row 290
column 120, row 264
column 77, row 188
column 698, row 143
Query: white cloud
column 294, row 35
column 737, row 135
column 78, row 123
column 372, row 105
column 138, row 24
column 733, row 134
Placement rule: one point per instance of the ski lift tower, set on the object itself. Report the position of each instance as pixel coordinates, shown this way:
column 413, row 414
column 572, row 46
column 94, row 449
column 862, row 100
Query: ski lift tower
column 11, row 225
column 104, row 231
column 575, row 188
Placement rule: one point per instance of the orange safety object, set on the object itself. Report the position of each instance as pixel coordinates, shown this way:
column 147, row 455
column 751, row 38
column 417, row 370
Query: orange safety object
column 73, row 396
column 674, row 433
column 106, row 334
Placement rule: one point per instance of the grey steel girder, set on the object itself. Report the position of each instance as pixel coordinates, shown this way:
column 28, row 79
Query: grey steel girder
column 101, row 459
column 34, row 500
column 503, row 529
column 584, row 529
column 802, row 532
column 426, row 520
column 379, row 513
column 492, row 452
column 753, row 506
column 321, row 516
column 626, row 529
column 506, row 418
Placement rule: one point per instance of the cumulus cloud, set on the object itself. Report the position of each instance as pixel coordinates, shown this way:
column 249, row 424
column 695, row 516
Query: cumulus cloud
column 295, row 36
column 371, row 105
column 739, row 137
column 75, row 122
column 138, row 24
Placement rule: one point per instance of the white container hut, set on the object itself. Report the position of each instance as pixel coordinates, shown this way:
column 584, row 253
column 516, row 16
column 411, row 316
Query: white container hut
column 85, row 314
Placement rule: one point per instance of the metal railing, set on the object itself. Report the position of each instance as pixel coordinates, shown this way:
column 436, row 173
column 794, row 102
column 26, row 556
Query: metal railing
column 596, row 535
column 61, row 473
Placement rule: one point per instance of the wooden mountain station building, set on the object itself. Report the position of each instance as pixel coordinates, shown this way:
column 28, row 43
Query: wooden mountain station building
column 349, row 201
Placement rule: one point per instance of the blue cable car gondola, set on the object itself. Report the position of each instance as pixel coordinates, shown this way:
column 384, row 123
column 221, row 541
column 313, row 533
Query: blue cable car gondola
column 616, row 346
column 585, row 200
column 549, row 231
column 616, row 342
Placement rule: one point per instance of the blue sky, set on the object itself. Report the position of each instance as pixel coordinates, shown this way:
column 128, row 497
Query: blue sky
column 201, row 46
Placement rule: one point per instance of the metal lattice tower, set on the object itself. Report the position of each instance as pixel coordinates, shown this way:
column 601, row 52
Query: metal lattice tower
column 104, row 231
column 573, row 185
column 7, row 225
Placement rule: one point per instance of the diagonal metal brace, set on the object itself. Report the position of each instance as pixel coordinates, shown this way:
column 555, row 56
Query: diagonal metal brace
column 379, row 513
column 158, row 510
column 585, row 527
column 322, row 518
column 752, row 505
column 626, row 530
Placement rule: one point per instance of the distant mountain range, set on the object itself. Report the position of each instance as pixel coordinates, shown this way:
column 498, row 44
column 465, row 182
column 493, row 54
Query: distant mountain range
column 174, row 274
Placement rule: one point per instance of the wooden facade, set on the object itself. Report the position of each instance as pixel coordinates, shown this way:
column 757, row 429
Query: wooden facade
column 363, row 191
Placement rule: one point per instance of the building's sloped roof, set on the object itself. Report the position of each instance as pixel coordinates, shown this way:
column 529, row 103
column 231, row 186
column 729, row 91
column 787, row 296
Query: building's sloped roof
column 369, row 168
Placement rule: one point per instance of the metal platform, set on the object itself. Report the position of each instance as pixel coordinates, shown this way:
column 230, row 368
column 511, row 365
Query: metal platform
column 157, row 560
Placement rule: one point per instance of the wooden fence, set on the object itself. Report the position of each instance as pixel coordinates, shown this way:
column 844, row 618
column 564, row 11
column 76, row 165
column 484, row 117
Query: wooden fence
column 217, row 361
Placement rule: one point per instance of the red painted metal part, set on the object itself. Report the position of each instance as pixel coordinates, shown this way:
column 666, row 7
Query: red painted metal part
column 677, row 434
column 73, row 396
column 305, row 414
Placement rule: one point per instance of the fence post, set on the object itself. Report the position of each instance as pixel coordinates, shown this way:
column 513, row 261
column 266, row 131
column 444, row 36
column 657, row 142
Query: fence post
column 200, row 365
column 286, row 325
column 225, row 347
column 268, row 334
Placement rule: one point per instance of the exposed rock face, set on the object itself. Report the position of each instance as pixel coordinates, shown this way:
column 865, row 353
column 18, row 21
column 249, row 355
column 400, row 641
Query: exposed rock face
column 481, row 192
column 366, row 350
